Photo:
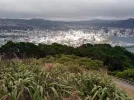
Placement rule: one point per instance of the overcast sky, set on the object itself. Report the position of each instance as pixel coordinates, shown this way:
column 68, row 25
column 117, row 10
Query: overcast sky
column 67, row 9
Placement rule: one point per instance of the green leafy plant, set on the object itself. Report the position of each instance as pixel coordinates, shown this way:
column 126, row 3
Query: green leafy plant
column 27, row 79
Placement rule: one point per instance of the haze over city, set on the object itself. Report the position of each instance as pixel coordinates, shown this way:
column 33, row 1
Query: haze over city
column 60, row 21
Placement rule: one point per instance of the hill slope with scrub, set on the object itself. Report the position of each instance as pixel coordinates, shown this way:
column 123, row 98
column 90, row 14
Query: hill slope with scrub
column 63, row 77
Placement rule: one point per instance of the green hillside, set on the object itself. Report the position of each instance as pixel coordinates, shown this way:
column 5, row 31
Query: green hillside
column 115, row 58
column 63, row 77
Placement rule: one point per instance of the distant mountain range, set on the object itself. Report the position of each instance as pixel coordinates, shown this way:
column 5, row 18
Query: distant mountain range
column 129, row 23
column 24, row 24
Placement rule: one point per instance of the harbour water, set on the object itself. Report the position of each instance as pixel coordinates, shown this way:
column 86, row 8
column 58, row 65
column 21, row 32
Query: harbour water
column 125, row 40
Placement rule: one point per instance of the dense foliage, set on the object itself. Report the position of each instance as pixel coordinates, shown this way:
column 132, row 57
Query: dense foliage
column 56, row 78
column 116, row 58
column 126, row 74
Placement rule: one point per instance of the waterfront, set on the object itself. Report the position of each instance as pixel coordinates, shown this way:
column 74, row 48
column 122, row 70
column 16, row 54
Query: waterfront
column 72, row 38
column 129, row 40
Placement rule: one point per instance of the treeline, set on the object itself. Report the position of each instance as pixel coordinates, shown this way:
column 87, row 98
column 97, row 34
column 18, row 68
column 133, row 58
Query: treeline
column 116, row 58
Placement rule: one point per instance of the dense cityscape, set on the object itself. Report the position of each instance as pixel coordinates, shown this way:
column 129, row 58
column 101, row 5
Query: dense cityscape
column 70, row 37
column 66, row 50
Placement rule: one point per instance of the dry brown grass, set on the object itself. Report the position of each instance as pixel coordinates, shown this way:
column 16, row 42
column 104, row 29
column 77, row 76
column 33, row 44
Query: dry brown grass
column 48, row 66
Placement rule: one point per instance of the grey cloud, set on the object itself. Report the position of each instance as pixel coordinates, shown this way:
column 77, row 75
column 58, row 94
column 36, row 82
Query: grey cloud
column 67, row 9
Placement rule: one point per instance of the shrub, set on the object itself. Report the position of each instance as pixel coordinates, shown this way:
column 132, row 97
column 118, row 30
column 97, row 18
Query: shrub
column 23, row 81
column 127, row 74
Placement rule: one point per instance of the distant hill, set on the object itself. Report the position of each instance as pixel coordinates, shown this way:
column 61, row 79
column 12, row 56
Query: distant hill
column 24, row 24
column 129, row 23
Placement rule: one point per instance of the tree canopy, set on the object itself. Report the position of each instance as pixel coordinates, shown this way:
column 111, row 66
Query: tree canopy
column 116, row 58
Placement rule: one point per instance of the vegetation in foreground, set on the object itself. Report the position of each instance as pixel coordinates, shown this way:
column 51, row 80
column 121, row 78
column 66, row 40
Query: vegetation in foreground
column 118, row 60
column 56, row 78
